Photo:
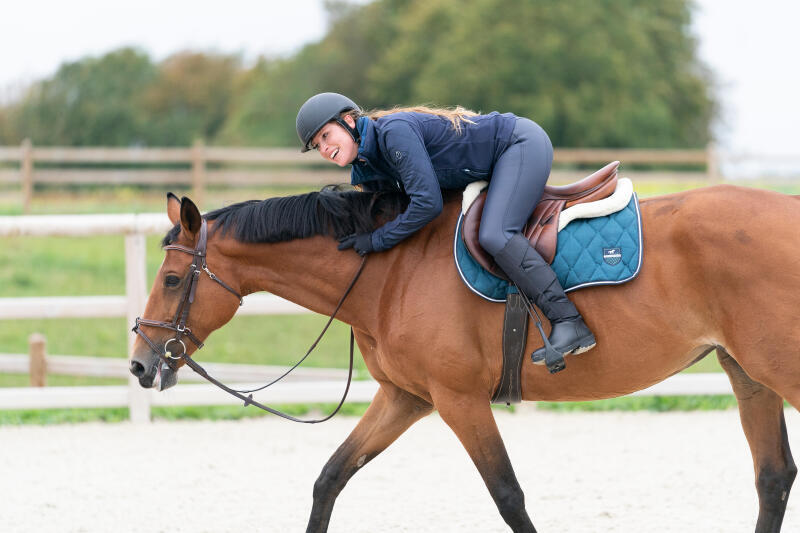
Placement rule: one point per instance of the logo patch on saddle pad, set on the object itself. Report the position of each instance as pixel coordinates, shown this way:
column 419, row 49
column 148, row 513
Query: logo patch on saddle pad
column 612, row 256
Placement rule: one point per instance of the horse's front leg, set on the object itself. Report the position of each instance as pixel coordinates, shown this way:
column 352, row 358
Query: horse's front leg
column 391, row 412
column 472, row 421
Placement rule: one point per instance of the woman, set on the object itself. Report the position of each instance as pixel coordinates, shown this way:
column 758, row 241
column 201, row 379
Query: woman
column 421, row 151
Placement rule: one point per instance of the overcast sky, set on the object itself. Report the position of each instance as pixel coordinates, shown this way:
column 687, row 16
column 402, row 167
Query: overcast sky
column 751, row 47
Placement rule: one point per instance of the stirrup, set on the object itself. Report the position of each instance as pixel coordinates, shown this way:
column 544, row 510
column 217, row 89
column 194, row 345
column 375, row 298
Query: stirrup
column 577, row 346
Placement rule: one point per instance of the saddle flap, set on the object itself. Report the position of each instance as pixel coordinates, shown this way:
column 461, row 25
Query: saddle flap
column 469, row 231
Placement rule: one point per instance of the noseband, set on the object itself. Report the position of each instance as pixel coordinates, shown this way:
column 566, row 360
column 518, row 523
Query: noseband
column 178, row 325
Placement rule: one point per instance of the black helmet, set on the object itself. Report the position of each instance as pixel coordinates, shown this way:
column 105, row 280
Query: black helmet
column 318, row 111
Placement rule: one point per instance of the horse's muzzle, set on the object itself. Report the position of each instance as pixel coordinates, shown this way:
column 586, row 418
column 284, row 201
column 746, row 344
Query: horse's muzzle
column 152, row 372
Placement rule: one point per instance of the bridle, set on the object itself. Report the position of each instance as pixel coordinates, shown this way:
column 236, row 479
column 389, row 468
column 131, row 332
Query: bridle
column 178, row 325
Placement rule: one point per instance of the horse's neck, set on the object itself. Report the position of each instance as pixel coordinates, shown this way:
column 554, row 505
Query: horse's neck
column 313, row 273
column 309, row 272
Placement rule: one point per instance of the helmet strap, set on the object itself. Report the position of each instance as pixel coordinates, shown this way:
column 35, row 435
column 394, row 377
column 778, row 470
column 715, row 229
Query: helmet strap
column 352, row 131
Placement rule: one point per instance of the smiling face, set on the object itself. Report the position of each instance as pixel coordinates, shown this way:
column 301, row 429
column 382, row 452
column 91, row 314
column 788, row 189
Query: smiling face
column 335, row 144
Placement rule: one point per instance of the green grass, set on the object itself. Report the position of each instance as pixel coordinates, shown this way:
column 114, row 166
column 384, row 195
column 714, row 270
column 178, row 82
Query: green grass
column 233, row 412
column 646, row 403
column 127, row 199
column 62, row 416
column 68, row 266
column 218, row 412
column 55, row 380
column 654, row 188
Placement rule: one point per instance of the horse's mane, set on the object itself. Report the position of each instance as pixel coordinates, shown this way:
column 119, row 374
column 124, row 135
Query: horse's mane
column 327, row 212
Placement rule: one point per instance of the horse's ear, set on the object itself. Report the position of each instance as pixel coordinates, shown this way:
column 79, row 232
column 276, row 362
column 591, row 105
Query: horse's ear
column 190, row 217
column 173, row 208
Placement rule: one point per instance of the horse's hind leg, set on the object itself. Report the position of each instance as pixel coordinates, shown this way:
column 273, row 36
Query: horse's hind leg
column 761, row 412
column 472, row 421
column 391, row 412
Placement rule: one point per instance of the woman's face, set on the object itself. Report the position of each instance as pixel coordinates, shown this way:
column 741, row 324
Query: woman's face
column 335, row 144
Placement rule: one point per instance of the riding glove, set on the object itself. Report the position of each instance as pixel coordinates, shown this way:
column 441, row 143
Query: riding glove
column 361, row 243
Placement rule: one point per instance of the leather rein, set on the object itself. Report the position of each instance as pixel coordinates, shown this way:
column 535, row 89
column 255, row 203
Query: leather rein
column 178, row 325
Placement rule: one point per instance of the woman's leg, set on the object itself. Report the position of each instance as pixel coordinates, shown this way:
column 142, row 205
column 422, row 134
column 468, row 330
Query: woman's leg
column 517, row 184
column 516, row 187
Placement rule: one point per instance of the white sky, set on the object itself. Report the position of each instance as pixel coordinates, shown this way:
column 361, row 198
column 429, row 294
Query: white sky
column 36, row 36
column 750, row 46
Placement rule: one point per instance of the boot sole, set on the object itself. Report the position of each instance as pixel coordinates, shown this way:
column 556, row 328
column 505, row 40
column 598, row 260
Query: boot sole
column 583, row 349
column 583, row 345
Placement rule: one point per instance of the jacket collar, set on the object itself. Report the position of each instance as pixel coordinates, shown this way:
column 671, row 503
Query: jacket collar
column 364, row 168
column 368, row 146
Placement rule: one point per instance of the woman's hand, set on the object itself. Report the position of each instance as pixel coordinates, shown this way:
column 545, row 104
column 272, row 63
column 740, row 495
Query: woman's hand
column 361, row 243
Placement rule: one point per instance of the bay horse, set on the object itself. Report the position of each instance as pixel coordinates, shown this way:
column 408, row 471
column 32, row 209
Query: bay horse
column 721, row 271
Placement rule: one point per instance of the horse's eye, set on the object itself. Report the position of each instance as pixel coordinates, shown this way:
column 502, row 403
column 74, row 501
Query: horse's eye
column 172, row 281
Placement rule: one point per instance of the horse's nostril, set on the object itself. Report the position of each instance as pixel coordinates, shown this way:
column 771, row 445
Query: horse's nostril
column 137, row 369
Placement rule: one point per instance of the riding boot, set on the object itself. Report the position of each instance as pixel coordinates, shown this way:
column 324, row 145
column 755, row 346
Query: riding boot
column 533, row 276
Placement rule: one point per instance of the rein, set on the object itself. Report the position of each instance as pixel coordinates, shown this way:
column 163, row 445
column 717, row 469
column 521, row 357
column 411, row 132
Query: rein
column 178, row 325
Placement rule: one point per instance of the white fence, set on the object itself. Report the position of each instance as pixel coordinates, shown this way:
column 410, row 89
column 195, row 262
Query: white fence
column 134, row 227
column 117, row 367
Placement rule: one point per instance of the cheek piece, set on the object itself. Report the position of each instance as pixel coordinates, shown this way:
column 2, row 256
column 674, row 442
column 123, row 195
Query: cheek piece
column 352, row 131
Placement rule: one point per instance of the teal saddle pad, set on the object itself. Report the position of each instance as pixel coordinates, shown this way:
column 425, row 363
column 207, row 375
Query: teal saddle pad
column 590, row 251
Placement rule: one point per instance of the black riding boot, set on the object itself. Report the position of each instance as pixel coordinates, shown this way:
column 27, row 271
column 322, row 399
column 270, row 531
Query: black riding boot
column 523, row 264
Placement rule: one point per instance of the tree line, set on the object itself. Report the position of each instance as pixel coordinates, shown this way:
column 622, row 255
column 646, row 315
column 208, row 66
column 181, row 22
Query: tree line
column 621, row 73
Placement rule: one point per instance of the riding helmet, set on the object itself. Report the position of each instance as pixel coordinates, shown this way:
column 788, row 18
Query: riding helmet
column 318, row 111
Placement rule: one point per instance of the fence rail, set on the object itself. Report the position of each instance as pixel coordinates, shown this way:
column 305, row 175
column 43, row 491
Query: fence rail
column 202, row 165
column 117, row 367
column 182, row 395
column 117, row 306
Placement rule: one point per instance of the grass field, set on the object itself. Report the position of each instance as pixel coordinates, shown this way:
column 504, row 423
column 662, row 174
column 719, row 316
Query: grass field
column 45, row 266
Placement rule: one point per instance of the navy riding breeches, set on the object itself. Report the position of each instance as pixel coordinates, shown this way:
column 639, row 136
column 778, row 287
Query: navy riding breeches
column 516, row 186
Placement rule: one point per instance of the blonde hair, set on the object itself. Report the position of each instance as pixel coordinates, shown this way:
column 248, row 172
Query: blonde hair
column 456, row 115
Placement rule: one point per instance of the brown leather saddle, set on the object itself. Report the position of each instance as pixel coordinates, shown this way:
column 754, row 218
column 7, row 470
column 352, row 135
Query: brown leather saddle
column 542, row 227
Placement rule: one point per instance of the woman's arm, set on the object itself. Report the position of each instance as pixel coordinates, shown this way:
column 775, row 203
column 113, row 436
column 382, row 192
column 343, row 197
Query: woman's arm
column 405, row 150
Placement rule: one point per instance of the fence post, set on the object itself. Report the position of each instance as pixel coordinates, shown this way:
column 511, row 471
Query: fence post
column 37, row 350
column 26, row 171
column 198, row 173
column 135, row 287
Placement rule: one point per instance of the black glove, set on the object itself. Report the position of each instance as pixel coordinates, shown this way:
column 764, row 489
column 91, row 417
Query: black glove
column 361, row 243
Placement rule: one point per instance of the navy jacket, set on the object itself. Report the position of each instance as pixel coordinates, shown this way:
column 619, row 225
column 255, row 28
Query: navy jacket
column 422, row 154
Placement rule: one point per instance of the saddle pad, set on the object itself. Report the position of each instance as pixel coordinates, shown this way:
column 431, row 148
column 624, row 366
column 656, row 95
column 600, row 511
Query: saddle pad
column 604, row 250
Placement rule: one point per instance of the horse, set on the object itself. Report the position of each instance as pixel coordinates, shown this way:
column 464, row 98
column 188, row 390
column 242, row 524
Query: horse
column 721, row 272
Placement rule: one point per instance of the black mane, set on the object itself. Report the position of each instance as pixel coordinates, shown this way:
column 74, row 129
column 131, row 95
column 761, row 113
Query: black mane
column 326, row 212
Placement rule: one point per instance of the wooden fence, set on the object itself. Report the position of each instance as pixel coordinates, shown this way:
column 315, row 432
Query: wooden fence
column 202, row 165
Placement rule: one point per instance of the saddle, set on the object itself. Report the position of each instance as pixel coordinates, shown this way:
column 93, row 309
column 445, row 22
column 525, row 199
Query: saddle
column 542, row 227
